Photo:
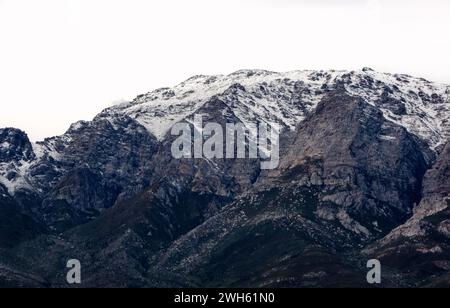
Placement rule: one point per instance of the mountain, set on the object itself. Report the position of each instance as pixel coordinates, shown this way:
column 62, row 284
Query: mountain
column 419, row 249
column 362, row 174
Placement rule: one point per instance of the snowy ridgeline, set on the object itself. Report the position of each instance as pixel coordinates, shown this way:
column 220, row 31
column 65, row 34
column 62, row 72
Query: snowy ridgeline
column 284, row 98
column 253, row 96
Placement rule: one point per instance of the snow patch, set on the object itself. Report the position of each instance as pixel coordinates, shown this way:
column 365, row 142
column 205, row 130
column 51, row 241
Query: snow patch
column 5, row 146
column 14, row 176
column 387, row 138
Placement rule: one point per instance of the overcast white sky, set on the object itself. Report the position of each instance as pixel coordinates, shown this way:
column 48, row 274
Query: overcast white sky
column 66, row 60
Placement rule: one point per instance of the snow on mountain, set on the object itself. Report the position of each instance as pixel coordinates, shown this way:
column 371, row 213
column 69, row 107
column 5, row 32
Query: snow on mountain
column 286, row 98
column 13, row 176
column 420, row 106
column 16, row 154
column 276, row 97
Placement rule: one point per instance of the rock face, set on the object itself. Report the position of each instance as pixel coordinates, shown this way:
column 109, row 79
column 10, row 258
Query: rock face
column 15, row 225
column 363, row 173
column 339, row 186
column 363, row 163
column 97, row 163
column 15, row 146
column 422, row 245
column 16, row 153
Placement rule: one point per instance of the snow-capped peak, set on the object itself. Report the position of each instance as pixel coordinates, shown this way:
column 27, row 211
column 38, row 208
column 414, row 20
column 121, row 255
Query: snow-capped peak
column 284, row 95
column 420, row 106
column 252, row 96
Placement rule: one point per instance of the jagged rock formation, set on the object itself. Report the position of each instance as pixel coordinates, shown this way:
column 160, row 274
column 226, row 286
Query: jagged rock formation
column 419, row 249
column 363, row 166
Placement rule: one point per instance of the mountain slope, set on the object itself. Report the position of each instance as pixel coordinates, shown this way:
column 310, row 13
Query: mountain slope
column 355, row 148
column 328, row 198
column 420, row 248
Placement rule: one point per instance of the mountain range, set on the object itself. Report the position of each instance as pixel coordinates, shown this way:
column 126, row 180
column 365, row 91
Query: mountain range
column 364, row 174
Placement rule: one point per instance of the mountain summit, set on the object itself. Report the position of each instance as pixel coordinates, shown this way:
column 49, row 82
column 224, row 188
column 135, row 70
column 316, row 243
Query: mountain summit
column 363, row 164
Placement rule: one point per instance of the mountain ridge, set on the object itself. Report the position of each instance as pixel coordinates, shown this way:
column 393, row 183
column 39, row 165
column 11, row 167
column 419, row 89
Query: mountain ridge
column 356, row 156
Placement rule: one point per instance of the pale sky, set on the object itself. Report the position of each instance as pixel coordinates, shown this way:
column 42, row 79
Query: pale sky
column 66, row 60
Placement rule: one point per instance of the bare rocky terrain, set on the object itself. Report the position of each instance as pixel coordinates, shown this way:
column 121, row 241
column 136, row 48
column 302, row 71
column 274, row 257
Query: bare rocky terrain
column 364, row 173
